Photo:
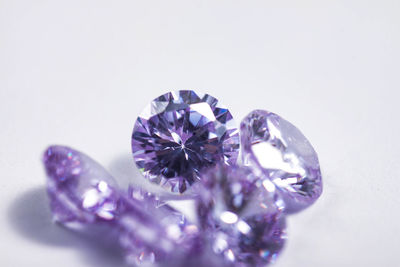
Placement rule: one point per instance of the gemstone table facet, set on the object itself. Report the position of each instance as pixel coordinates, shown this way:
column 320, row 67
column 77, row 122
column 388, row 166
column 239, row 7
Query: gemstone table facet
column 281, row 152
column 179, row 135
column 241, row 216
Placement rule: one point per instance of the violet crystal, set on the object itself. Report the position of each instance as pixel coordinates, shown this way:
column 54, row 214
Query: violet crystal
column 179, row 134
column 241, row 216
column 83, row 193
column 155, row 229
column 281, row 152
column 80, row 190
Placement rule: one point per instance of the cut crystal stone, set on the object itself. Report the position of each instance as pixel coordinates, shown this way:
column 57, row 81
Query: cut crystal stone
column 80, row 190
column 241, row 215
column 152, row 231
column 83, row 195
column 180, row 134
column 281, row 152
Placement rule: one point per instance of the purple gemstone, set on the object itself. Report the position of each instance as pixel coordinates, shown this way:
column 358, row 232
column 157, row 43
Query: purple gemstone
column 280, row 151
column 80, row 190
column 241, row 215
column 179, row 134
column 153, row 231
column 83, row 194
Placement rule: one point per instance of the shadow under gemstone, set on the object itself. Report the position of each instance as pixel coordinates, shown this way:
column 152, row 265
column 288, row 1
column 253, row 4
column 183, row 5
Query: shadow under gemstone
column 30, row 216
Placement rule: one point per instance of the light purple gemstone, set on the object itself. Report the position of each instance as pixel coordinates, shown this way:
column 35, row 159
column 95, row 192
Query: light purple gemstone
column 80, row 190
column 83, row 194
column 281, row 152
column 181, row 133
column 152, row 231
column 241, row 216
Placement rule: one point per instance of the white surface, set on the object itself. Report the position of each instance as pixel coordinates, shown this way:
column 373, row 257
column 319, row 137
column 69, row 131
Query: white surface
column 79, row 72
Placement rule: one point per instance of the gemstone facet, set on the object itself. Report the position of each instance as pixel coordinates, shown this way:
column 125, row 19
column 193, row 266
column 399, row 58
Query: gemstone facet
column 152, row 231
column 180, row 134
column 80, row 190
column 84, row 194
column 241, row 215
column 281, row 152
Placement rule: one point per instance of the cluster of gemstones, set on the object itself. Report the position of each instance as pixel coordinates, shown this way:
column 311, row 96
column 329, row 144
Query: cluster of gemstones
column 188, row 143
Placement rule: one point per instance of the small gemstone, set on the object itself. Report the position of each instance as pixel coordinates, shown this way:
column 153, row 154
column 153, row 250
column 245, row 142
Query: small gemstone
column 241, row 216
column 180, row 134
column 83, row 194
column 152, row 231
column 80, row 190
column 149, row 199
column 281, row 152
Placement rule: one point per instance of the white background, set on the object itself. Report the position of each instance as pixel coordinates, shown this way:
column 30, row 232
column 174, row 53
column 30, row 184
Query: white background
column 78, row 73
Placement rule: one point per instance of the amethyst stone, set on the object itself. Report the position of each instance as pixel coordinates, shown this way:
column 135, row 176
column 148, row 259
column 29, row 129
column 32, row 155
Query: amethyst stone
column 83, row 194
column 281, row 152
column 179, row 134
column 241, row 216
column 80, row 190
column 152, row 231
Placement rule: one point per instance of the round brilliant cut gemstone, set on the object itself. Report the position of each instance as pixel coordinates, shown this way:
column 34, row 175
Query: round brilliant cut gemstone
column 241, row 216
column 276, row 148
column 84, row 194
column 179, row 135
column 80, row 190
column 152, row 231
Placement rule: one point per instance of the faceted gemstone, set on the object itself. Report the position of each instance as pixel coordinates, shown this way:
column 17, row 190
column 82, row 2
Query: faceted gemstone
column 281, row 152
column 241, row 215
column 153, row 231
column 83, row 194
column 80, row 190
column 173, row 221
column 180, row 134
